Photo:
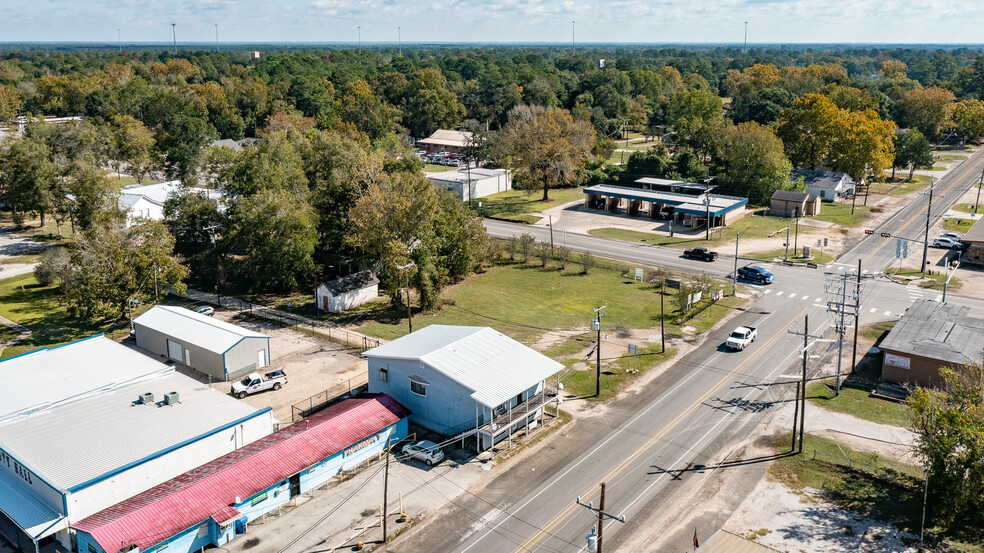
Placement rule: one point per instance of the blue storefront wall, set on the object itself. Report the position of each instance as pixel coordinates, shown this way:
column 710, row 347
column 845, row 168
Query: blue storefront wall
column 208, row 532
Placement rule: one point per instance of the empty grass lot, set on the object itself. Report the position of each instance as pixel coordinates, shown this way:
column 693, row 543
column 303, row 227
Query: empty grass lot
column 616, row 375
column 525, row 301
column 958, row 225
column 519, row 205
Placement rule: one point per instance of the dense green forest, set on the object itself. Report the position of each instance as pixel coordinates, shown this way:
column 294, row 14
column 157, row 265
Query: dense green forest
column 334, row 152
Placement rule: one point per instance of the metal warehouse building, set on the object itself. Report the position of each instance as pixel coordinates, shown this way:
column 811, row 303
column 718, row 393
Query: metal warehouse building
column 212, row 504
column 210, row 346
column 89, row 424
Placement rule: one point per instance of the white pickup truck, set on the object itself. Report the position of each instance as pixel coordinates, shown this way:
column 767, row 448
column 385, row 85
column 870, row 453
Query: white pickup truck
column 255, row 382
column 741, row 337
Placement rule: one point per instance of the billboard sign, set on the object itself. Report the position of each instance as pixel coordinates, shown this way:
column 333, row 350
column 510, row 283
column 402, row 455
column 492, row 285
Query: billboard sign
column 899, row 361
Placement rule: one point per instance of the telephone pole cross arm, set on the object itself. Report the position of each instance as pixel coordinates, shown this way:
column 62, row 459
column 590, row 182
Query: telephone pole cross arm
column 596, row 544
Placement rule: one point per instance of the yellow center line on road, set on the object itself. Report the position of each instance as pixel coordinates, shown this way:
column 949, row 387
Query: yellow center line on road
column 919, row 213
column 532, row 542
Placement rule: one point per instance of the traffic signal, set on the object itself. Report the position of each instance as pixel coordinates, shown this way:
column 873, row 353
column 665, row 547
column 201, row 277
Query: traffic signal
column 886, row 235
column 773, row 233
column 869, row 231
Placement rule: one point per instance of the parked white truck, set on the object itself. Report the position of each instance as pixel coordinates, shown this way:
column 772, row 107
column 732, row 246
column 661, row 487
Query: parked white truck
column 741, row 337
column 255, row 382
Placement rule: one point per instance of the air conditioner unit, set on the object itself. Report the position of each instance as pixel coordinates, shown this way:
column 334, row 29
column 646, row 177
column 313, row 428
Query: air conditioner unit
column 171, row 398
column 147, row 398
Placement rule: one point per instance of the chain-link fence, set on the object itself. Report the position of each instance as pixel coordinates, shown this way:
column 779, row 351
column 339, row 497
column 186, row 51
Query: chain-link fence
column 327, row 398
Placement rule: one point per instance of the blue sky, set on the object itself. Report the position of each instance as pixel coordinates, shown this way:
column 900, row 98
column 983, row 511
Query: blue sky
column 881, row 21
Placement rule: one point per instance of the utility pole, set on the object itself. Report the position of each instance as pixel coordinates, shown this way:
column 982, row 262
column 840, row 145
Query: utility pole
column 359, row 28
column 734, row 275
column 399, row 44
column 838, row 307
column 979, row 186
column 386, row 480
column 745, row 49
column 216, row 37
column 550, row 223
column 857, row 313
column 174, row 37
column 572, row 38
column 796, row 235
column 801, row 386
column 602, row 515
column 785, row 257
column 119, row 39
column 406, row 272
column 929, row 210
column 951, row 269
column 597, row 325
column 662, row 329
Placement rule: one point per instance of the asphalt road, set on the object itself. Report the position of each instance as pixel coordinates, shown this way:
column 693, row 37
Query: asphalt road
column 706, row 399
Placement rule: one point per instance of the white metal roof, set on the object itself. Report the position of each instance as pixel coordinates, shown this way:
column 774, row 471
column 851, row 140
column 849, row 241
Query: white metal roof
column 74, row 443
column 185, row 325
column 462, row 175
column 156, row 193
column 494, row 366
column 47, row 378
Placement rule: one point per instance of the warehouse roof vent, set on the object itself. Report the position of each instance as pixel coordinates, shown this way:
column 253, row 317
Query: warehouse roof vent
column 147, row 398
column 171, row 398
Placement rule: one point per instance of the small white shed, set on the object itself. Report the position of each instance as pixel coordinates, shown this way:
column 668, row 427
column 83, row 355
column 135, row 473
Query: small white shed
column 347, row 292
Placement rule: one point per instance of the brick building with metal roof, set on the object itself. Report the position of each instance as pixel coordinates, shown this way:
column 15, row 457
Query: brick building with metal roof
column 91, row 423
column 928, row 336
column 212, row 504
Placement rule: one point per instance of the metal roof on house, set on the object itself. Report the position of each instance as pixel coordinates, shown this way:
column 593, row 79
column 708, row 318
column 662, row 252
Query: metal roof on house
column 939, row 331
column 821, row 179
column 351, row 283
column 53, row 377
column 156, row 193
column 209, row 490
column 685, row 203
column 444, row 137
column 490, row 364
column 183, row 324
column 725, row 542
column 76, row 444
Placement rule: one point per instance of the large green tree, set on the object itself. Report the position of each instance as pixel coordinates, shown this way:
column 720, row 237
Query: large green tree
column 28, row 177
column 807, row 129
column 753, row 161
column 912, row 151
column 545, row 146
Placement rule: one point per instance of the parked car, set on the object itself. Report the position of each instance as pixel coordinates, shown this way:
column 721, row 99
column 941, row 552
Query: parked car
column 756, row 274
column 741, row 337
column 948, row 243
column 703, row 254
column 952, row 236
column 255, row 382
column 206, row 310
column 424, row 450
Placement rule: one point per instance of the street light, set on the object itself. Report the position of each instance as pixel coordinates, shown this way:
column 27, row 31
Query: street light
column 734, row 275
column 951, row 269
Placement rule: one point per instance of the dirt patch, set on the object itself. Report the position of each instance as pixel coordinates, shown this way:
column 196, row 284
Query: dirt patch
column 553, row 338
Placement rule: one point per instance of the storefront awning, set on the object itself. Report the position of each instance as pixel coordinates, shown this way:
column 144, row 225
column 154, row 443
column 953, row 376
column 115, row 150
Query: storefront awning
column 35, row 517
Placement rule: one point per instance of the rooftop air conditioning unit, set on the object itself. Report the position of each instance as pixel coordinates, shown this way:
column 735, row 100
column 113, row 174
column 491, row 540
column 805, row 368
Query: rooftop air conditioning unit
column 171, row 398
column 147, row 398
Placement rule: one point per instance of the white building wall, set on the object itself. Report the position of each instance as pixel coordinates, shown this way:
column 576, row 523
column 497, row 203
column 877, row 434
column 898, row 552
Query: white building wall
column 337, row 304
column 144, row 209
column 124, row 485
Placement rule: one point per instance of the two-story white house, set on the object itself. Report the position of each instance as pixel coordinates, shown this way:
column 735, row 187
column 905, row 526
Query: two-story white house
column 464, row 380
column 829, row 186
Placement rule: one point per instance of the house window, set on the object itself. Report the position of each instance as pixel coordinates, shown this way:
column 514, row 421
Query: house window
column 384, row 375
column 823, row 193
column 162, row 546
column 92, row 549
column 418, row 388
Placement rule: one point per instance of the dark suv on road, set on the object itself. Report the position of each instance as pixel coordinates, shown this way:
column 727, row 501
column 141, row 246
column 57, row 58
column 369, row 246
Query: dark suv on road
column 756, row 274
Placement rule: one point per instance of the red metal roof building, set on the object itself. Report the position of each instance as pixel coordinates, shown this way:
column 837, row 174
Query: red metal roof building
column 217, row 489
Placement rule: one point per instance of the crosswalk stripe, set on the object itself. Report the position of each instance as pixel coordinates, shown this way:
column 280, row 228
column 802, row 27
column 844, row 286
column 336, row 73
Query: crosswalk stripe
column 888, row 313
column 791, row 296
column 768, row 292
column 873, row 309
column 806, row 298
column 779, row 293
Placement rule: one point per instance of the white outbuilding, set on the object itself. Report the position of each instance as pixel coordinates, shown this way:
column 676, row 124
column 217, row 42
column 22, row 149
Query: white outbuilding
column 468, row 184
column 347, row 292
column 206, row 344
column 91, row 423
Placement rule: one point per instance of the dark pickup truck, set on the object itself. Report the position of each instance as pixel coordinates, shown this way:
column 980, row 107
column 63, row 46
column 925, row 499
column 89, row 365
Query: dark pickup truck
column 703, row 254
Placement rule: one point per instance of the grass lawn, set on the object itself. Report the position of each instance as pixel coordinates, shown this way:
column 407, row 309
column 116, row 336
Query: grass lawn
column 127, row 181
column 965, row 208
column 864, row 483
column 616, row 374
column 433, row 168
column 49, row 233
column 518, row 205
column 840, row 213
column 958, row 225
column 26, row 258
column 949, row 157
column 877, row 331
column 935, row 281
column 815, row 257
column 900, row 186
column 40, row 309
column 525, row 301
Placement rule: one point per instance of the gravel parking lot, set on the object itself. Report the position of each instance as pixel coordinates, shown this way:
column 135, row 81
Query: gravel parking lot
column 312, row 364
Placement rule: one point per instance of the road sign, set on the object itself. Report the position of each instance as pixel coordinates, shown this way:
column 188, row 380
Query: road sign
column 825, row 242
column 905, row 249
column 638, row 275
column 898, row 248
column 633, row 349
